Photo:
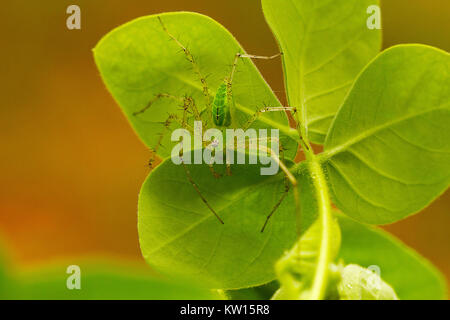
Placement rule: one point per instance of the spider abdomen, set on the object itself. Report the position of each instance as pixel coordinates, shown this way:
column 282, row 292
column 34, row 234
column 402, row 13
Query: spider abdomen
column 220, row 107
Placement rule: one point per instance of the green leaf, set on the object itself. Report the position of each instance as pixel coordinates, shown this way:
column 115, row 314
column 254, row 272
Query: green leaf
column 325, row 44
column 411, row 275
column 99, row 279
column 138, row 60
column 388, row 149
column 103, row 281
column 180, row 236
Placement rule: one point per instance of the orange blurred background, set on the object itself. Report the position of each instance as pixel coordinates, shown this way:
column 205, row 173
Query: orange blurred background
column 71, row 167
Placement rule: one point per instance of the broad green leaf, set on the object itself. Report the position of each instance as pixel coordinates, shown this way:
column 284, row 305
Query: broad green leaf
column 388, row 149
column 101, row 281
column 358, row 283
column 411, row 275
column 179, row 235
column 325, row 45
column 138, row 60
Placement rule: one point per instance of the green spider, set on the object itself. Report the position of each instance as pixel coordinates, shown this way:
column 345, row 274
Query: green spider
column 221, row 112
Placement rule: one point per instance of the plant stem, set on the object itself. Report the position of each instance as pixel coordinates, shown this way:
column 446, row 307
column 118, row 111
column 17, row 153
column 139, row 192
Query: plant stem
column 325, row 216
column 321, row 275
column 320, row 281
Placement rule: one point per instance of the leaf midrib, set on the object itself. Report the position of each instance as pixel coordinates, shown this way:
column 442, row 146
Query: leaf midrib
column 368, row 133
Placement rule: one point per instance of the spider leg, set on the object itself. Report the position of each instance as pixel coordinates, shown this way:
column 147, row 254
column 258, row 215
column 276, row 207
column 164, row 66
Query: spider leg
column 195, row 67
column 197, row 189
column 288, row 176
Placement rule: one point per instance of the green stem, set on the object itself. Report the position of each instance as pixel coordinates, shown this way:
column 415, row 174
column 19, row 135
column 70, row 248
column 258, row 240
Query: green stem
column 325, row 215
column 321, row 276
column 320, row 282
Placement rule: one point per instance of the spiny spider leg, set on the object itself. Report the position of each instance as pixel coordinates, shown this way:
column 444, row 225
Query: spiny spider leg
column 266, row 109
column 188, row 105
column 271, row 109
column 288, row 175
column 167, row 123
column 195, row 66
column 285, row 193
column 156, row 98
column 250, row 56
column 293, row 182
column 197, row 189
column 187, row 101
column 185, row 125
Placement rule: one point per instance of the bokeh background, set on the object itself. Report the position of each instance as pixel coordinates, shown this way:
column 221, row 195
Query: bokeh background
column 71, row 166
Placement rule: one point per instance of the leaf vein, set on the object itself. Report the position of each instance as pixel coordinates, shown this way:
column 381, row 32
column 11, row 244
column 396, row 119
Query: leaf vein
column 355, row 190
column 365, row 134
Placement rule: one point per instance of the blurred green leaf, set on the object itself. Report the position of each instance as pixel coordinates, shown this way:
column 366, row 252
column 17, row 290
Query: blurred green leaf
column 102, row 281
column 388, row 149
column 411, row 276
column 138, row 60
column 325, row 45
column 5, row 271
